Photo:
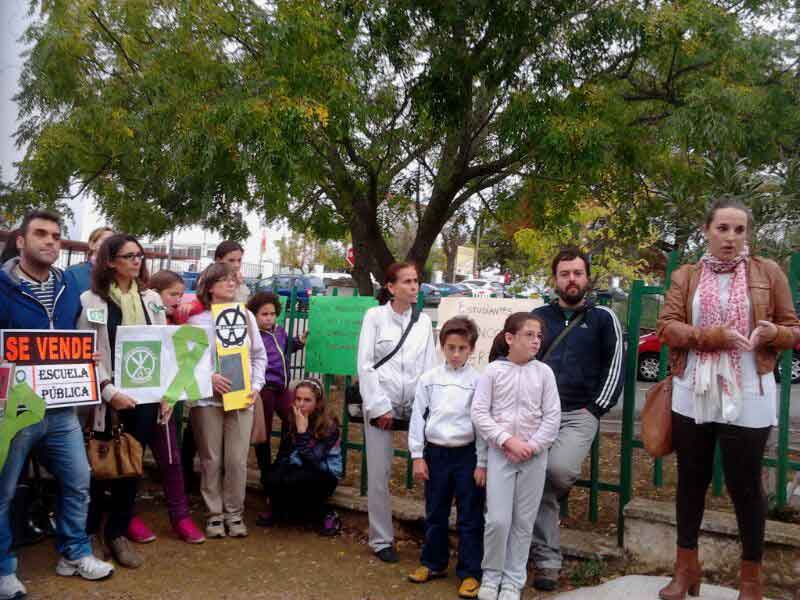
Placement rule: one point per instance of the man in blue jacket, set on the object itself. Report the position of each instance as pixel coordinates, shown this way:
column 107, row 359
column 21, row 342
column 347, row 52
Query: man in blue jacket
column 587, row 362
column 36, row 295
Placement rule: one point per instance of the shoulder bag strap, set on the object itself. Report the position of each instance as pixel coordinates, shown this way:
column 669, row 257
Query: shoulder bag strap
column 575, row 322
column 388, row 357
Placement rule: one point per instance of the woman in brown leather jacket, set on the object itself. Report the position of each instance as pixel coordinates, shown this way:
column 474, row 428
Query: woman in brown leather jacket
column 724, row 320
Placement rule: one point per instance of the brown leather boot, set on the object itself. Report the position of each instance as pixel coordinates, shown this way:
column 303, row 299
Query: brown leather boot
column 686, row 579
column 750, row 581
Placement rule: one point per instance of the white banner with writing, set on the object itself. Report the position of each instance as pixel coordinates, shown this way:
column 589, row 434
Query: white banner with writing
column 489, row 315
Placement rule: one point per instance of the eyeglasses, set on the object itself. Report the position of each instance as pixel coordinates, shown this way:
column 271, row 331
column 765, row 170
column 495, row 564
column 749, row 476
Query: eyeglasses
column 131, row 256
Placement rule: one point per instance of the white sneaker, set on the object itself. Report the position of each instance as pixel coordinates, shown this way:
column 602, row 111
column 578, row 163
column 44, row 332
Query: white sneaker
column 89, row 567
column 488, row 591
column 237, row 528
column 11, row 587
column 509, row 592
column 215, row 529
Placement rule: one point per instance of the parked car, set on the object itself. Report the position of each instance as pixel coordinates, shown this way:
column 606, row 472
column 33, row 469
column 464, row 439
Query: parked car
column 190, row 279
column 453, row 289
column 500, row 289
column 431, row 296
column 649, row 355
column 305, row 286
column 649, row 348
column 483, row 285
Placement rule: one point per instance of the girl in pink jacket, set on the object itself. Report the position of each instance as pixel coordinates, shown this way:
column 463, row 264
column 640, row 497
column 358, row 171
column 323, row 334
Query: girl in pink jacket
column 516, row 409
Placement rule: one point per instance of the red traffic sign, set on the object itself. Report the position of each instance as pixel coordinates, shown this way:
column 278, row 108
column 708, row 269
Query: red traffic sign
column 350, row 256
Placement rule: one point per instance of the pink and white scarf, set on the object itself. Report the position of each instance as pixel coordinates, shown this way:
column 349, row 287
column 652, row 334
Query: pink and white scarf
column 718, row 374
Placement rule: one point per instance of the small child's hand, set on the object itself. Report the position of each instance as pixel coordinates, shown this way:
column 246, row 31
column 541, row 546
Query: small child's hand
column 420, row 469
column 182, row 311
column 165, row 411
column 480, row 477
column 300, row 420
column 516, row 450
column 221, row 385
column 304, row 336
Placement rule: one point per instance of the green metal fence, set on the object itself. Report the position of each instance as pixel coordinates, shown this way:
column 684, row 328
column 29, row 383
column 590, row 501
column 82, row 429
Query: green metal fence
column 295, row 321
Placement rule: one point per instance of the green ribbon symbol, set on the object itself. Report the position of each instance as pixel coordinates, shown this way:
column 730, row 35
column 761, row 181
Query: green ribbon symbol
column 19, row 395
column 187, row 361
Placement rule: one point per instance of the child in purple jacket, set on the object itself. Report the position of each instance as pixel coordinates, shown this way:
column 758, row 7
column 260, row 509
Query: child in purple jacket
column 275, row 395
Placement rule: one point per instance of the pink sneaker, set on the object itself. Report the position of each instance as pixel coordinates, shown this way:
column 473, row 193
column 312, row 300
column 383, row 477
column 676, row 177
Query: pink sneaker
column 188, row 531
column 139, row 532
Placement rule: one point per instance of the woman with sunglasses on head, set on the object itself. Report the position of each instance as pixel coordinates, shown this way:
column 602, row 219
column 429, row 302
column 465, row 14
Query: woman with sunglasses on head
column 118, row 296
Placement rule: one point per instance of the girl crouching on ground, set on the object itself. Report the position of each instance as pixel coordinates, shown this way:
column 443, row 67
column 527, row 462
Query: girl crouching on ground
column 309, row 462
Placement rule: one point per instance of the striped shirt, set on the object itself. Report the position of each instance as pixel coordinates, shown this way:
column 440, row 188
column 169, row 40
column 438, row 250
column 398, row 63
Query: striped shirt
column 43, row 291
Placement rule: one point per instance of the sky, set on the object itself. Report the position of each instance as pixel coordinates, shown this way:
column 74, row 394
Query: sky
column 12, row 25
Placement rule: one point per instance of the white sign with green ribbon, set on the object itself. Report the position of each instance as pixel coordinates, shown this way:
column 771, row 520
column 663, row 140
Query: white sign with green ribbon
column 164, row 361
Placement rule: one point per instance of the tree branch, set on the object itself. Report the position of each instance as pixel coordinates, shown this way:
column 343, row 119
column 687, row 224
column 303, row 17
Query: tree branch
column 89, row 181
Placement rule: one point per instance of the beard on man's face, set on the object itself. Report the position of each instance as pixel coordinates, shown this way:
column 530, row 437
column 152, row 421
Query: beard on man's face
column 573, row 293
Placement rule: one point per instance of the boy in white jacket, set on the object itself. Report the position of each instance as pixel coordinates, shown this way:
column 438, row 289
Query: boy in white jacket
column 451, row 459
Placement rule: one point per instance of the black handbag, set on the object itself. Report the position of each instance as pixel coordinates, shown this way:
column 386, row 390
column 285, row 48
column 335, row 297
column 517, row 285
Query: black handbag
column 352, row 394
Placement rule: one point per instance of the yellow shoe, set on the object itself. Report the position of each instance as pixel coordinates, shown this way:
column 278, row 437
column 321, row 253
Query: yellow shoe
column 469, row 588
column 424, row 574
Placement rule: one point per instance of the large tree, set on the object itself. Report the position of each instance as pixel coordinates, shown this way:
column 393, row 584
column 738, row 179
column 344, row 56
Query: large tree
column 358, row 114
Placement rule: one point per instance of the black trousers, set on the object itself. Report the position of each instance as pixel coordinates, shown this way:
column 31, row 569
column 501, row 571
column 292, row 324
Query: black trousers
column 451, row 475
column 299, row 493
column 116, row 497
column 742, row 449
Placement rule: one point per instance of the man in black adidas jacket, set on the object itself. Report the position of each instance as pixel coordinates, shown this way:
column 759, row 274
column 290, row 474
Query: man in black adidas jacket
column 587, row 363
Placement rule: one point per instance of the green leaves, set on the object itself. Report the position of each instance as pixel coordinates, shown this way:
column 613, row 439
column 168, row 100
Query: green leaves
column 359, row 115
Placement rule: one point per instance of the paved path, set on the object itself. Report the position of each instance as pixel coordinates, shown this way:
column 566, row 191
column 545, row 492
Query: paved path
column 640, row 587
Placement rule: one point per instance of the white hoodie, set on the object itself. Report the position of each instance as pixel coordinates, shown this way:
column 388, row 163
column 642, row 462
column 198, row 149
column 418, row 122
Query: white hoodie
column 392, row 386
column 517, row 400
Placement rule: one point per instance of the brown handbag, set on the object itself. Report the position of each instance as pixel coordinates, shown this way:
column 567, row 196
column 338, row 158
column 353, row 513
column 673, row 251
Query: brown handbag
column 656, row 419
column 119, row 457
column 259, row 433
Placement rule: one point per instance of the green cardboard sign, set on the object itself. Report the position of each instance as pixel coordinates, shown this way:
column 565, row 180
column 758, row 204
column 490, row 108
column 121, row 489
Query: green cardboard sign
column 141, row 364
column 20, row 395
column 334, row 324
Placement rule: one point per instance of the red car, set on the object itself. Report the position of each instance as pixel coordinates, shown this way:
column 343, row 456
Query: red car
column 649, row 349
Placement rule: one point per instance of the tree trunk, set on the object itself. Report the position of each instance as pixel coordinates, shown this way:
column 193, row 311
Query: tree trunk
column 372, row 255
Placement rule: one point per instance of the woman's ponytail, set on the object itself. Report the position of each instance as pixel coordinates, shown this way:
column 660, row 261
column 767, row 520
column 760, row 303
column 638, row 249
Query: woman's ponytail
column 499, row 347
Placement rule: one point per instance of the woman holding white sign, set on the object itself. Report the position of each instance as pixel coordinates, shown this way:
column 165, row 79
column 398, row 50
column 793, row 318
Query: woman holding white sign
column 393, row 331
column 118, row 296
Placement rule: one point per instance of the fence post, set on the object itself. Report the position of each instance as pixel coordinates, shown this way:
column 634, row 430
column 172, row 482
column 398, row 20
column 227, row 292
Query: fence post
column 672, row 264
column 629, row 405
column 782, row 470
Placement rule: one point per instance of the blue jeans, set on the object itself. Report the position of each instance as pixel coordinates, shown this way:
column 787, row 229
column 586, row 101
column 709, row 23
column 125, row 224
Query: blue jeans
column 451, row 474
column 58, row 440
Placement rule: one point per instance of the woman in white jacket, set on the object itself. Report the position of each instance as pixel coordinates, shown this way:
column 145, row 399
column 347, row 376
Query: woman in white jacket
column 388, row 391
column 118, row 296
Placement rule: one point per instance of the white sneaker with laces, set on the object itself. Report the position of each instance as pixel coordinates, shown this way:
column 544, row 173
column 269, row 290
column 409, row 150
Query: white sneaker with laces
column 89, row 567
column 509, row 592
column 11, row 587
column 488, row 591
column 237, row 528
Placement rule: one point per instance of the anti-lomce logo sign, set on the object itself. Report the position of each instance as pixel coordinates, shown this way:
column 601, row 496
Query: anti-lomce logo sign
column 231, row 327
column 141, row 364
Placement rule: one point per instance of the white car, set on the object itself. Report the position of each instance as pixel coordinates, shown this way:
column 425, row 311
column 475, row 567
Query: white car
column 482, row 288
